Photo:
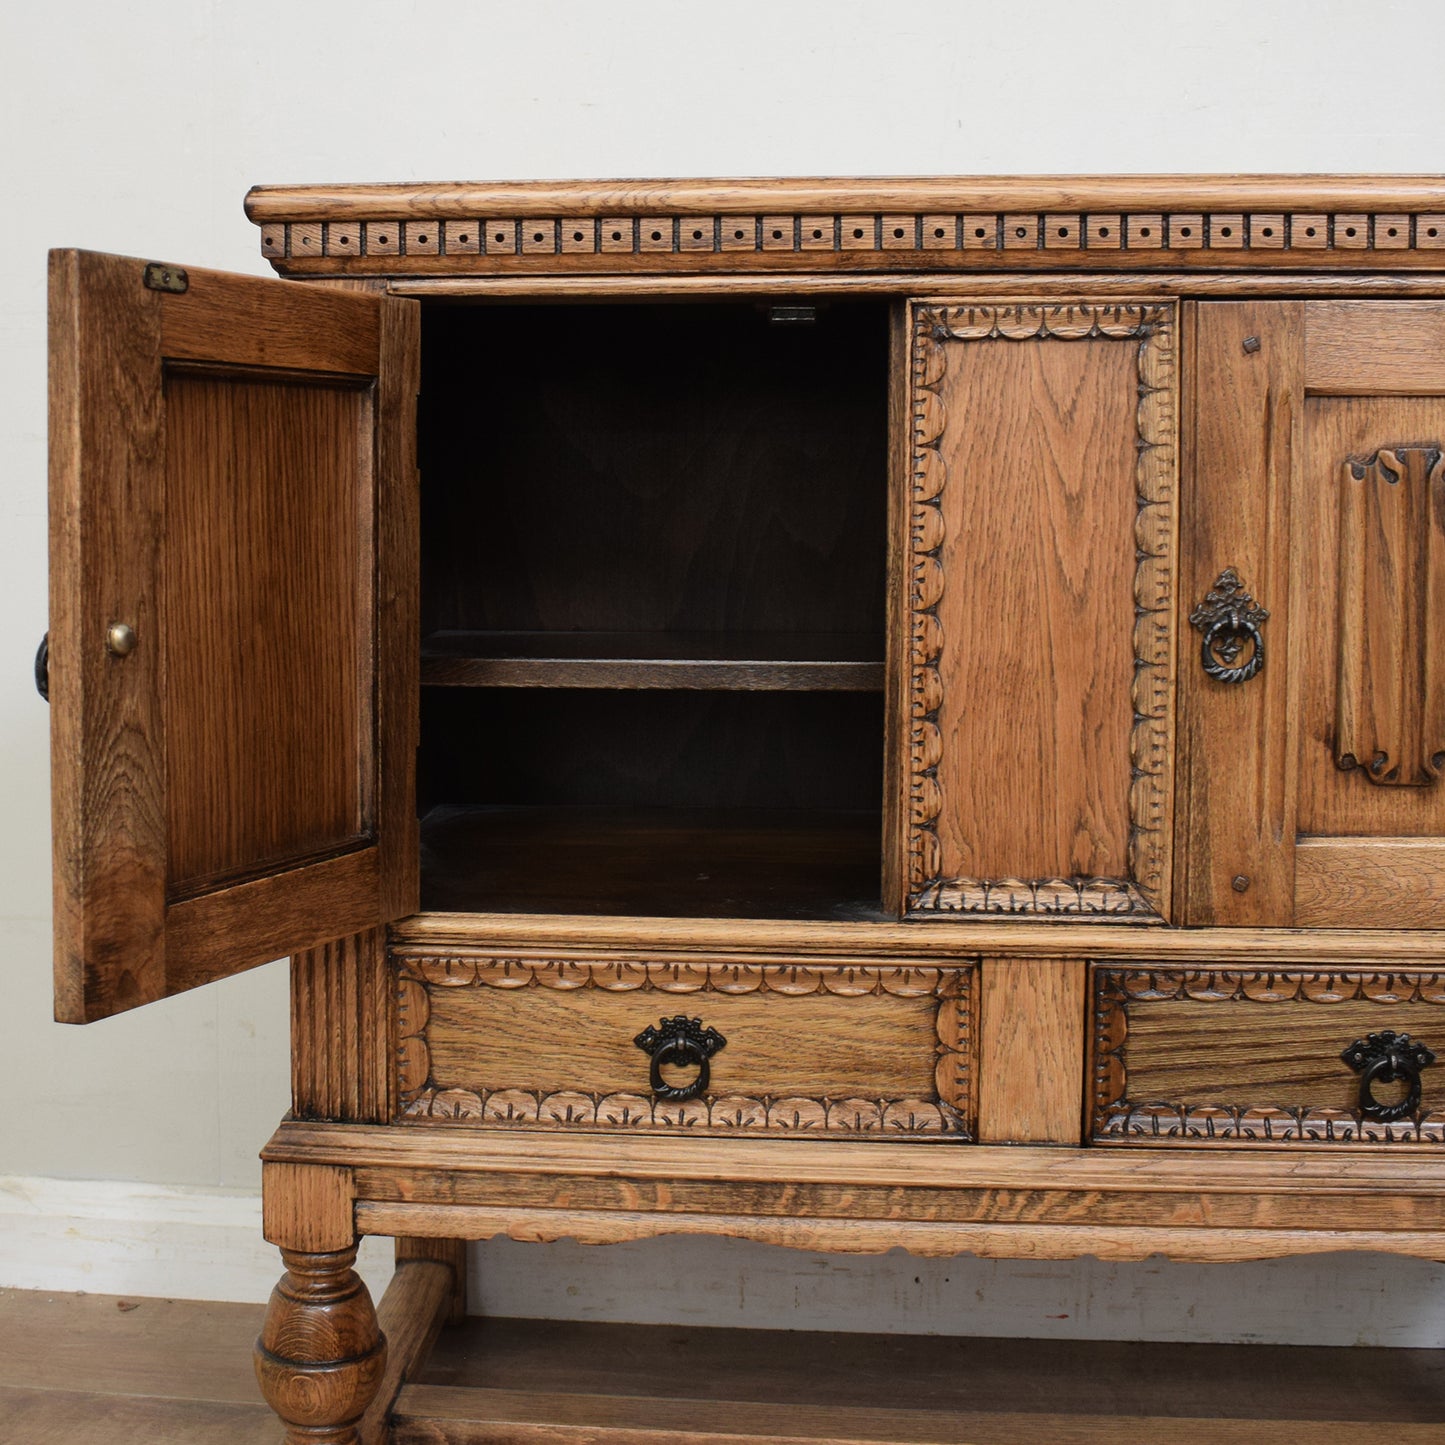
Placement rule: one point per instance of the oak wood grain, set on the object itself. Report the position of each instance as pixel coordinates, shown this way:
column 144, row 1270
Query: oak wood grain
column 1157, row 285
column 847, row 1046
column 929, row 1240
column 761, row 661
column 267, row 713
column 1332, row 802
column 106, row 713
column 1098, row 1379
column 435, row 1415
column 1370, row 348
column 1269, row 1056
column 1014, row 938
column 706, row 862
column 320, row 1356
column 410, row 1316
column 1038, row 552
column 216, row 789
column 1390, row 706
column 1235, row 834
column 73, row 1417
column 150, row 1349
column 341, row 1031
column 450, row 1252
column 1361, row 882
column 897, row 683
column 308, row 1208
column 394, row 661
column 231, row 319
column 554, row 1378
column 1030, row 1050
column 401, row 200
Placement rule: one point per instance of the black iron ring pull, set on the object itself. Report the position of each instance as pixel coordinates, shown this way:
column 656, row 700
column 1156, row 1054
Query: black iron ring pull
column 681, row 1042
column 1388, row 1058
column 42, row 668
column 1230, row 620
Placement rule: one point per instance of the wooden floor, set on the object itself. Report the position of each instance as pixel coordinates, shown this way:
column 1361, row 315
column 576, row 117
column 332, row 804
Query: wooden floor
column 92, row 1369
column 86, row 1369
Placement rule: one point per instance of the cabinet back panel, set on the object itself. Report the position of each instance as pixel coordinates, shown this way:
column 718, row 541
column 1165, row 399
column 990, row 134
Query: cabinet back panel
column 652, row 749
column 265, row 711
column 654, row 468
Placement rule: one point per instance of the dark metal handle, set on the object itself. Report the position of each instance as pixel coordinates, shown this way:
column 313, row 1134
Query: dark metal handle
column 42, row 668
column 684, row 1042
column 1386, row 1058
column 1230, row 620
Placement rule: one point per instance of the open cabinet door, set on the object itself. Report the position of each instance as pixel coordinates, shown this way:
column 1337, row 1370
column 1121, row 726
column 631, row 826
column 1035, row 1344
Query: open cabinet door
column 232, row 622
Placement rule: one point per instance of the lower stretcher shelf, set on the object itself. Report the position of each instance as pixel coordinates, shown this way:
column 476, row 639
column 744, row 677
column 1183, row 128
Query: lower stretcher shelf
column 524, row 1382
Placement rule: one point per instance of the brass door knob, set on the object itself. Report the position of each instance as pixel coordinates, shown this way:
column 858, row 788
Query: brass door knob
column 120, row 639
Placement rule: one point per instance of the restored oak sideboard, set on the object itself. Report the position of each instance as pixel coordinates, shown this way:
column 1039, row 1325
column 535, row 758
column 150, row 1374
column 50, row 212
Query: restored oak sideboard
column 848, row 713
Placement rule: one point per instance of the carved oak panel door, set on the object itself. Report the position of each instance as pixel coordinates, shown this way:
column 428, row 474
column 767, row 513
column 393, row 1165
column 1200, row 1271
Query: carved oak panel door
column 1313, row 787
column 1034, row 644
column 232, row 623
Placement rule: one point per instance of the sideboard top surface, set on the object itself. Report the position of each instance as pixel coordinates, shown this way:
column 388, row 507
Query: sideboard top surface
column 877, row 224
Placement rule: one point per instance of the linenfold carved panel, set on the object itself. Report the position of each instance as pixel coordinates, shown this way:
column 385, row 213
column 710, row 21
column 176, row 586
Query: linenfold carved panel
column 1119, row 1117
column 937, row 330
column 424, row 983
column 1390, row 708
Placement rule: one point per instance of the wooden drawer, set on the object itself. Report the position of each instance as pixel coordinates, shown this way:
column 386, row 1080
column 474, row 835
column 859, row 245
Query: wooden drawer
column 1202, row 1055
column 849, row 1047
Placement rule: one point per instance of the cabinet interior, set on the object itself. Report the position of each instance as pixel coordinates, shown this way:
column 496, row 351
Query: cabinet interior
column 652, row 582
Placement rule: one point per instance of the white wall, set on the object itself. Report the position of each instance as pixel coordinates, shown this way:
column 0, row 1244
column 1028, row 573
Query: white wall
column 137, row 128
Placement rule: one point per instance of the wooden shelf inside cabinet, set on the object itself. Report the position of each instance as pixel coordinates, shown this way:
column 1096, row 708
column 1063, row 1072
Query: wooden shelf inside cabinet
column 671, row 862
column 746, row 661
column 563, row 1382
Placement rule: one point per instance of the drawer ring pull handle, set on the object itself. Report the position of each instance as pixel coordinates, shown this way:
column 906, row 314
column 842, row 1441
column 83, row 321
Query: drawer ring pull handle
column 1386, row 1058
column 1230, row 620
column 681, row 1042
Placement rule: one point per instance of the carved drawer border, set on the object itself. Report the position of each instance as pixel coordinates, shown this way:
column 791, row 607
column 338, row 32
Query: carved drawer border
column 1115, row 1117
column 952, row 1114
column 1143, row 893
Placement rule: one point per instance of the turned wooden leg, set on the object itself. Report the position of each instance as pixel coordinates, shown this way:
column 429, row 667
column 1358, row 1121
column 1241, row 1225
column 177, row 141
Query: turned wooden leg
column 321, row 1353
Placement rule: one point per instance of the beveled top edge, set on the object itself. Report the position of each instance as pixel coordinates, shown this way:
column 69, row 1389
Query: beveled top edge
column 932, row 939
column 707, row 196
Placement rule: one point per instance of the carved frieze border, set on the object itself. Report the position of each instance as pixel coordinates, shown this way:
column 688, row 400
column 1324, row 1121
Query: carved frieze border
column 950, row 1114
column 1156, row 481
column 1116, row 1117
column 1030, row 238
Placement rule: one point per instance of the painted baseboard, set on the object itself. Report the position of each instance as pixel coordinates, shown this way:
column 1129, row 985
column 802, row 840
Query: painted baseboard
column 1330, row 1299
column 108, row 1237
column 111, row 1237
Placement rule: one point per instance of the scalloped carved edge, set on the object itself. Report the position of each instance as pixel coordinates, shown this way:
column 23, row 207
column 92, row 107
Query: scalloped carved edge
column 1150, row 739
column 1116, row 1117
column 950, row 1114
column 732, row 1112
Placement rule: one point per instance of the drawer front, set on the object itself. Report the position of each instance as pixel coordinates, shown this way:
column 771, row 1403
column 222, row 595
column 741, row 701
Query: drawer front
column 823, row 1046
column 1228, row 1055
